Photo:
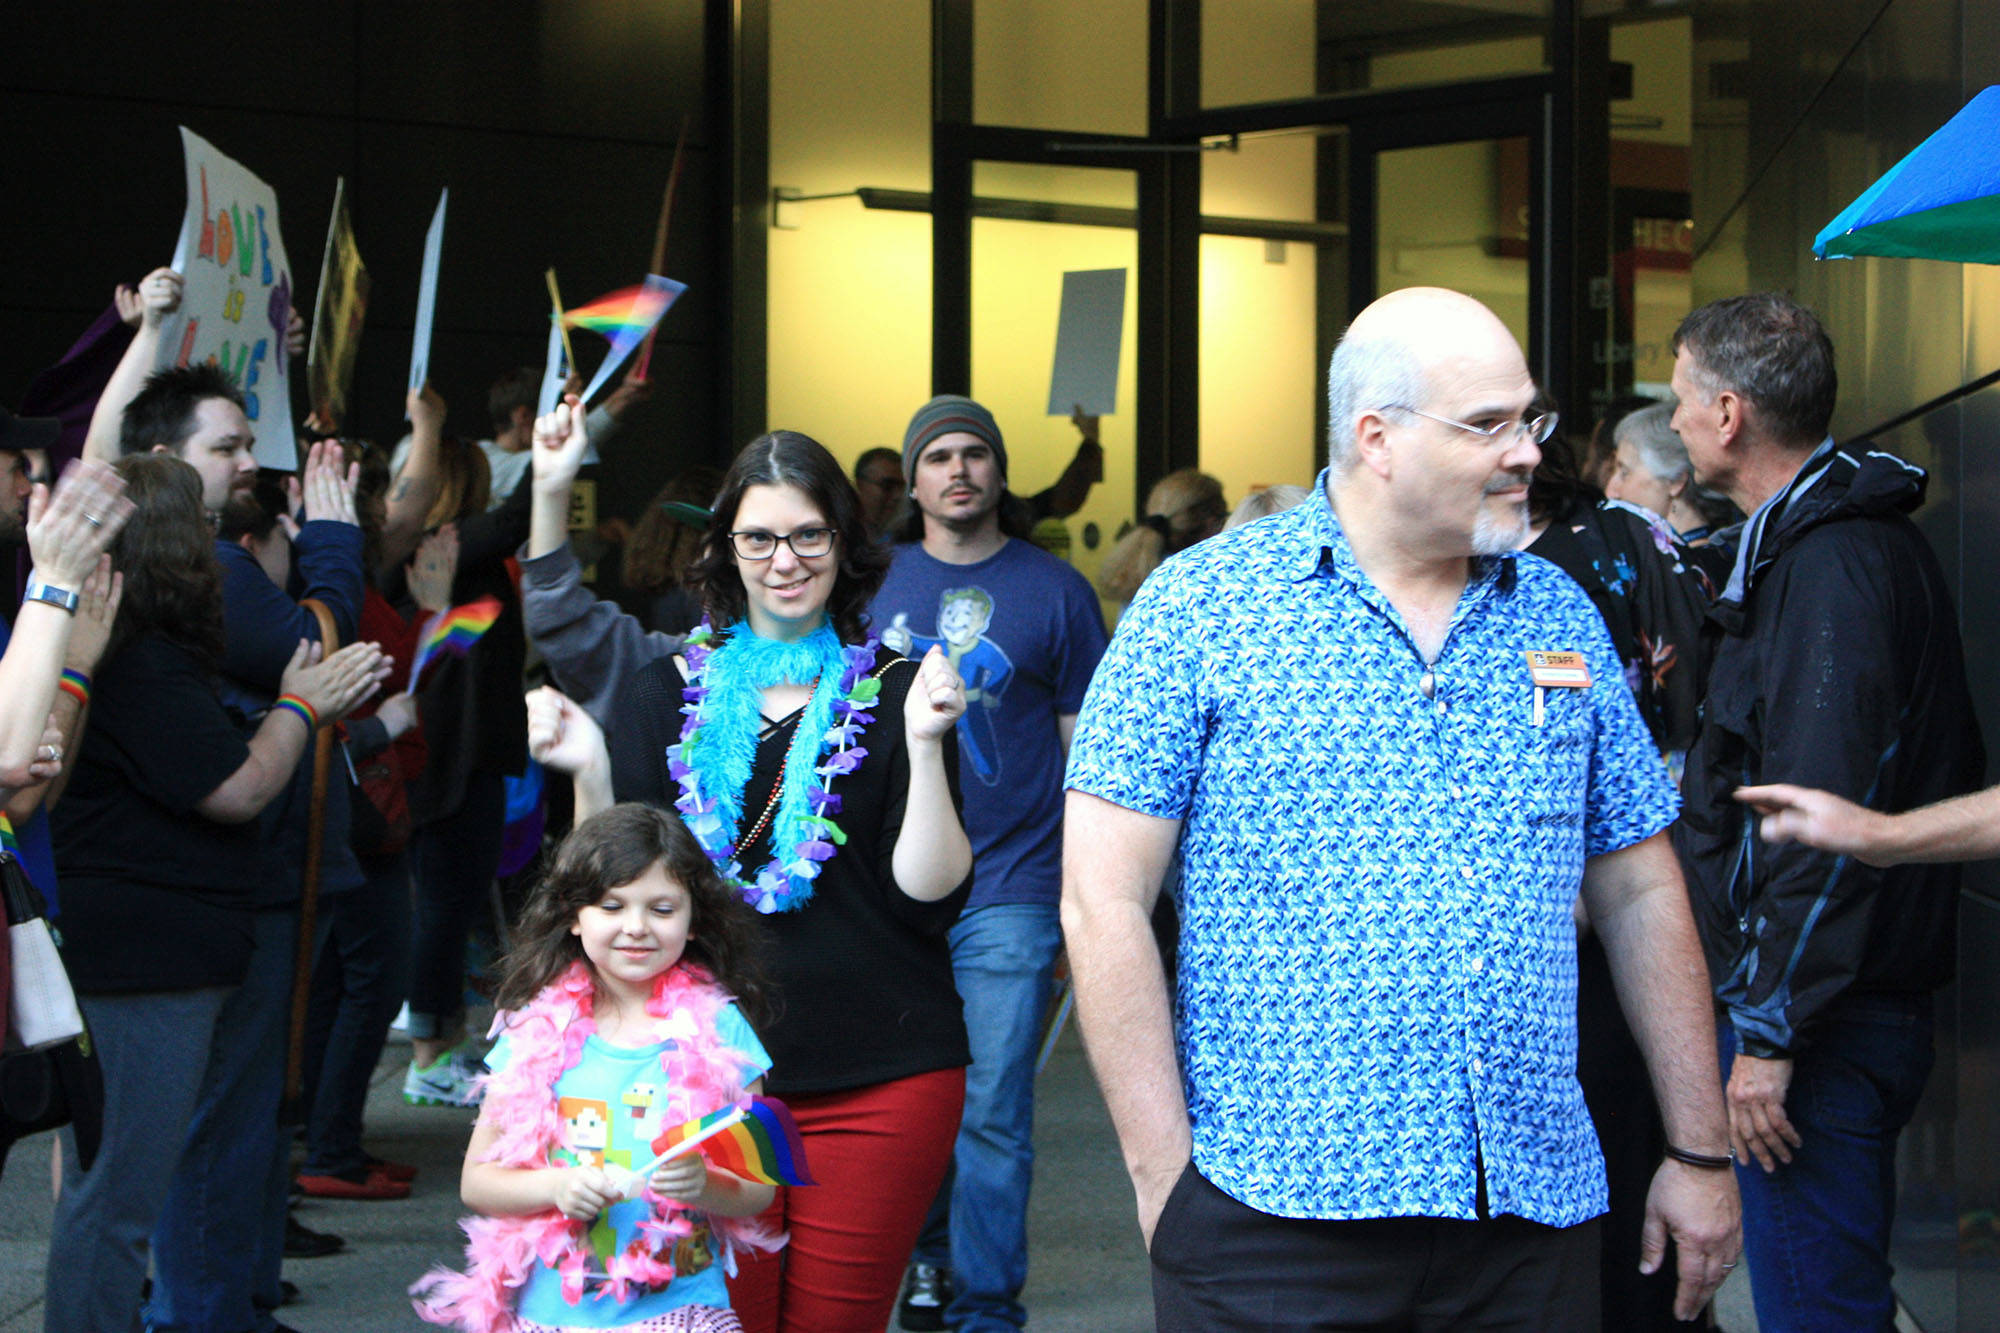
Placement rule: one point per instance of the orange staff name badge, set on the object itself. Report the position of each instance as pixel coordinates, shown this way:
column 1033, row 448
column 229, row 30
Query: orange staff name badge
column 1559, row 671
column 1555, row 671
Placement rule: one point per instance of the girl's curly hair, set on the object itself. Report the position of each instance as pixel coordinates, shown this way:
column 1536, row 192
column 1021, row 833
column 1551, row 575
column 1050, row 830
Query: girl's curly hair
column 615, row 847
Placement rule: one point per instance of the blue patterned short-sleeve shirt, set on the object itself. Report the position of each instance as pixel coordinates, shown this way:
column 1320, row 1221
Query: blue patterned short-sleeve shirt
column 1377, row 971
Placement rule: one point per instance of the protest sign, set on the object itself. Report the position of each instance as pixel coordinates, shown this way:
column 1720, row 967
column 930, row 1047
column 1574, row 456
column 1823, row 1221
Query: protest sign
column 236, row 297
column 1088, row 333
column 427, row 292
column 338, row 308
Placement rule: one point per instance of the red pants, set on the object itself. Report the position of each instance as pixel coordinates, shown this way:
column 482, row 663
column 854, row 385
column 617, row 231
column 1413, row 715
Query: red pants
column 879, row 1154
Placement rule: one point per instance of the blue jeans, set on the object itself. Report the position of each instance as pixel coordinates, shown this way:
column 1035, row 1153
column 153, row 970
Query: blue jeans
column 218, row 1242
column 1003, row 957
column 153, row 1050
column 359, row 980
column 1816, row 1232
column 452, row 861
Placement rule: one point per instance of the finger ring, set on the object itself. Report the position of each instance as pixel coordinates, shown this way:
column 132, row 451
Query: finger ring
column 93, row 520
column 1727, row 1267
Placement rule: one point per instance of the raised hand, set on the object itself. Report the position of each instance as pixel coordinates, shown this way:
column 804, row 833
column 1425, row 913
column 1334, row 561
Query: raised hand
column 425, row 407
column 561, row 735
column 560, row 439
column 159, row 297
column 69, row 529
column 631, row 392
column 95, row 615
column 340, row 681
column 936, row 699
column 329, row 482
column 1085, row 423
column 434, row 568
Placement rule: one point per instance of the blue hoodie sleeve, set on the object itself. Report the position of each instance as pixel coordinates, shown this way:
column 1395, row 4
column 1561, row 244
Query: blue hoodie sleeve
column 263, row 623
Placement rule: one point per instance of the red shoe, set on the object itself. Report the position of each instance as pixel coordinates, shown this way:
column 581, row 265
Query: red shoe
column 370, row 1186
column 400, row 1171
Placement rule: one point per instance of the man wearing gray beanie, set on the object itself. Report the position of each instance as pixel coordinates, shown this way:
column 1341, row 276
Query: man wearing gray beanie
column 1024, row 631
column 947, row 414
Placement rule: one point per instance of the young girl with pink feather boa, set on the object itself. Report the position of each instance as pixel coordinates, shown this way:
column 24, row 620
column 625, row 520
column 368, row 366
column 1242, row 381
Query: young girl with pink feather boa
column 619, row 1018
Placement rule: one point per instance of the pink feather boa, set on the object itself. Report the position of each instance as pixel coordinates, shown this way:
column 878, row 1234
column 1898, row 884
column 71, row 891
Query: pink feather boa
column 546, row 1040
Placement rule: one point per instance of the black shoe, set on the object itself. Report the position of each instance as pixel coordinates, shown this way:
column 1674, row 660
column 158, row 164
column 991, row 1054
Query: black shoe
column 304, row 1243
column 926, row 1293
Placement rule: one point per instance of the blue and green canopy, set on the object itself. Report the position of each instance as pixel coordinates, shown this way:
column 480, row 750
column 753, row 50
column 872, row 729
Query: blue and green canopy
column 1940, row 202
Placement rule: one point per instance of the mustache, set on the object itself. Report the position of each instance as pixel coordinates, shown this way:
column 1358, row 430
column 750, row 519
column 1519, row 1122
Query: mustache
column 1509, row 481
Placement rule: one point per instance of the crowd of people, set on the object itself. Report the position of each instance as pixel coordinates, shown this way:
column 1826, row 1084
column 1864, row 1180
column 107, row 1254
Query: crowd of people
column 1482, row 871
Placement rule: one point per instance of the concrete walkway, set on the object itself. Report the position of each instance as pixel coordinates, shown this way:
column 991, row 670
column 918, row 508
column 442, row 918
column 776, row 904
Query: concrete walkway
column 1088, row 1271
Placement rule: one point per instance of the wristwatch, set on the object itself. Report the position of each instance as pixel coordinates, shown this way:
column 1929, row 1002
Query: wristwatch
column 39, row 591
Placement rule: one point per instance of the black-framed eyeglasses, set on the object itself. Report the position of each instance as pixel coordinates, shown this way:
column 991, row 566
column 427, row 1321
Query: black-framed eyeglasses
column 806, row 543
column 1537, row 428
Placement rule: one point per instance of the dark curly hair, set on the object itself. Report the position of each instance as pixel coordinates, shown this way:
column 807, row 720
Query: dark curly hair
column 615, row 847
column 163, row 411
column 787, row 458
column 166, row 552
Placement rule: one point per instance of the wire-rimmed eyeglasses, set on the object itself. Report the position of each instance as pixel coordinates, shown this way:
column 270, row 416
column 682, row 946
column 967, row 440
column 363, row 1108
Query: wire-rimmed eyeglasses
column 1537, row 428
column 806, row 543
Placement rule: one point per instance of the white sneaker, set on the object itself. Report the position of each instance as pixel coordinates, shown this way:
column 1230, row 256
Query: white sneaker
column 446, row 1081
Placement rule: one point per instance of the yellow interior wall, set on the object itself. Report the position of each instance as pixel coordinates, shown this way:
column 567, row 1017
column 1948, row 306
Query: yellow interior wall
column 849, row 301
column 1260, row 377
column 1437, row 208
column 1017, row 270
column 1260, row 385
column 850, row 290
column 1257, row 51
column 1060, row 65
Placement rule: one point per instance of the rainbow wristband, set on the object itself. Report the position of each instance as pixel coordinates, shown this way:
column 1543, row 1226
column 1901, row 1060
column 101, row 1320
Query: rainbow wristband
column 305, row 711
column 76, row 685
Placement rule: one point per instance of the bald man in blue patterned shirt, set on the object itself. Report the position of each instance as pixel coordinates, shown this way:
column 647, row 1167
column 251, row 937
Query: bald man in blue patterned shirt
column 1391, row 751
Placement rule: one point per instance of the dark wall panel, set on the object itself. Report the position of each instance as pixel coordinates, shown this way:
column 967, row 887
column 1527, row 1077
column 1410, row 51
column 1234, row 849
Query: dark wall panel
column 553, row 124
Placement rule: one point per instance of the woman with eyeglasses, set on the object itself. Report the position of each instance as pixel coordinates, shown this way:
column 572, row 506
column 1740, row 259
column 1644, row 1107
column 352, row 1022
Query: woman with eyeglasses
column 819, row 771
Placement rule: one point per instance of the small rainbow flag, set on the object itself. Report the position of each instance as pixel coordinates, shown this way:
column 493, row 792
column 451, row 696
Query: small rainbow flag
column 453, row 632
column 756, row 1139
column 624, row 317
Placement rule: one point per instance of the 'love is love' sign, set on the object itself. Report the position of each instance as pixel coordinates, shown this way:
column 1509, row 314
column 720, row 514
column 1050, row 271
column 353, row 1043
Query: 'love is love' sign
column 236, row 297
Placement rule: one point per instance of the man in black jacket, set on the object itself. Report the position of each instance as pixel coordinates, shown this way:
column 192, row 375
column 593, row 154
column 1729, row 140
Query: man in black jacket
column 1838, row 666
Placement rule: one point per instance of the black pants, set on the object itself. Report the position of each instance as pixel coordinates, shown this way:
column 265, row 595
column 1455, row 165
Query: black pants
column 1219, row 1265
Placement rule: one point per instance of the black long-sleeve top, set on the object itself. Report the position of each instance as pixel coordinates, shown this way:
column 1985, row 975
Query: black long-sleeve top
column 862, row 972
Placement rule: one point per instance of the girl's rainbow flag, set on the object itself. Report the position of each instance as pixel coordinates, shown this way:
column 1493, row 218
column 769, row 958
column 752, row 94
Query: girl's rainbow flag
column 453, row 632
column 756, row 1139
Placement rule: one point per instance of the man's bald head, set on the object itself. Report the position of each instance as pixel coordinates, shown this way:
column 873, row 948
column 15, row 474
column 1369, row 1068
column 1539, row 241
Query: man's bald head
column 1402, row 345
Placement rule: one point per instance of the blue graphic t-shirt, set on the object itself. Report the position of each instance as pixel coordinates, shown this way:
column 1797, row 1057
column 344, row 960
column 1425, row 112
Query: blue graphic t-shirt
column 1023, row 630
column 613, row 1106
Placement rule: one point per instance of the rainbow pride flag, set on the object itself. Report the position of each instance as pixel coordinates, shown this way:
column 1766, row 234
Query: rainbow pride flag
column 756, row 1139
column 453, row 632
column 624, row 318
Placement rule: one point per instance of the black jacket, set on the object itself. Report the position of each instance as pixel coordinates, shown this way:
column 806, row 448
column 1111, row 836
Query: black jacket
column 1838, row 666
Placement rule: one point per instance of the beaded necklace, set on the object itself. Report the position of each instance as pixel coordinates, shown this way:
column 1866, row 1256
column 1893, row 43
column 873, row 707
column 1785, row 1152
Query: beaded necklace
column 718, row 746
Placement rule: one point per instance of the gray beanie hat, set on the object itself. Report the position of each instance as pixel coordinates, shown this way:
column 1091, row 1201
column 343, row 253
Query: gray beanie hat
column 947, row 414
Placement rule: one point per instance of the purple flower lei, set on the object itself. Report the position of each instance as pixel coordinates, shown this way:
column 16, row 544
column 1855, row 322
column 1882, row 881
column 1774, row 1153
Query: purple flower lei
column 803, row 821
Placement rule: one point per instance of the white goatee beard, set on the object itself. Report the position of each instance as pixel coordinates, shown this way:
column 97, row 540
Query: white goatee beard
column 1494, row 535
